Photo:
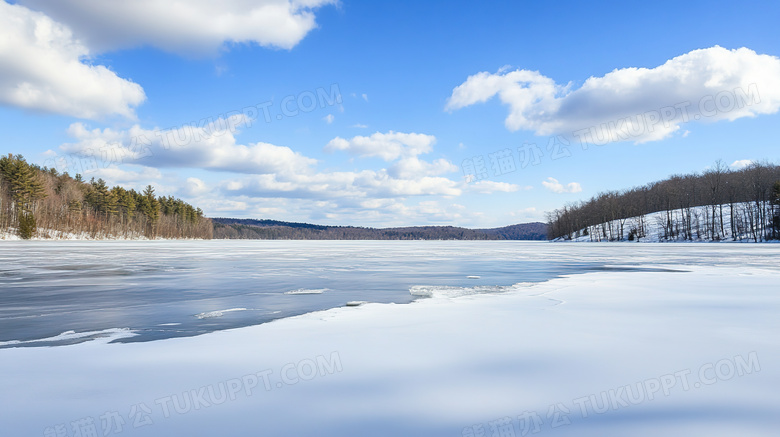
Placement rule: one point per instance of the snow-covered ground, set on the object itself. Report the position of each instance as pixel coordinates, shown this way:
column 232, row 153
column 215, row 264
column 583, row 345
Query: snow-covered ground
column 683, row 349
column 655, row 227
column 51, row 234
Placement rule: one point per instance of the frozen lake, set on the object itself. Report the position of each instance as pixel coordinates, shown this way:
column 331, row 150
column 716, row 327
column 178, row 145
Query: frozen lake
column 161, row 290
column 65, row 292
column 550, row 339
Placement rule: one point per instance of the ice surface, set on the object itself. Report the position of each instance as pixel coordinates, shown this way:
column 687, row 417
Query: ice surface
column 454, row 366
column 107, row 335
column 92, row 286
column 448, row 291
column 307, row 291
column 219, row 313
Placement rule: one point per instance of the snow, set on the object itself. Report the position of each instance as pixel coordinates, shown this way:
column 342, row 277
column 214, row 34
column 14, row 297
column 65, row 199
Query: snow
column 653, row 226
column 51, row 234
column 697, row 340
column 219, row 313
column 106, row 334
column 307, row 291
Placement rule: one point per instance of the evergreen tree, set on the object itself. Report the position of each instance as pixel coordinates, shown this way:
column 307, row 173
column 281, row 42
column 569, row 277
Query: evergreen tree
column 126, row 204
column 100, row 198
column 149, row 205
column 23, row 181
column 75, row 206
column 27, row 225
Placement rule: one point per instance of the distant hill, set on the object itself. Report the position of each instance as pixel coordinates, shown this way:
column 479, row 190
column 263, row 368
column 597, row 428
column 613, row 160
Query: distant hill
column 525, row 231
column 249, row 229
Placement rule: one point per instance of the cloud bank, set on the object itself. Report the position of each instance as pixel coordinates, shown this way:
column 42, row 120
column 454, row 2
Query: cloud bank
column 633, row 104
column 44, row 68
column 193, row 27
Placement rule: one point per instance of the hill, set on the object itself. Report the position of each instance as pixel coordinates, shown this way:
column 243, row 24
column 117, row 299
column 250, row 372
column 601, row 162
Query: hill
column 717, row 205
column 653, row 228
column 229, row 228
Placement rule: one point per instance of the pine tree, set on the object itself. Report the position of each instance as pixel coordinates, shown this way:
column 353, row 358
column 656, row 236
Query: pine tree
column 25, row 188
column 76, row 206
column 150, row 207
column 27, row 225
column 126, row 204
column 23, row 181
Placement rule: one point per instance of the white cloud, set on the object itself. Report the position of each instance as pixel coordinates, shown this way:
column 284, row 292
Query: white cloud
column 553, row 185
column 217, row 206
column 413, row 167
column 44, row 68
column 276, row 171
column 740, row 164
column 365, row 96
column 487, row 187
column 194, row 187
column 370, row 212
column 365, row 184
column 360, row 126
column 527, row 215
column 134, row 174
column 193, row 27
column 280, row 182
column 633, row 104
column 389, row 146
column 211, row 147
column 329, row 118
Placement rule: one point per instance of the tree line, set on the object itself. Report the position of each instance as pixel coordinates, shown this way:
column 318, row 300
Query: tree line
column 739, row 204
column 246, row 229
column 37, row 201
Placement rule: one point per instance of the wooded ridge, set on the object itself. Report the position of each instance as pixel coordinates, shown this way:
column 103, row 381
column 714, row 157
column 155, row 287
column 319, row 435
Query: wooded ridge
column 740, row 204
column 228, row 228
column 41, row 202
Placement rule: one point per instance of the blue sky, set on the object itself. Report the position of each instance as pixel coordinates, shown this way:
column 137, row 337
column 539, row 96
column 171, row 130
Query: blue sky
column 378, row 113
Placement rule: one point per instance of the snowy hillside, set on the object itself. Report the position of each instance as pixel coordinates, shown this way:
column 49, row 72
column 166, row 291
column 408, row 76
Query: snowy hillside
column 702, row 223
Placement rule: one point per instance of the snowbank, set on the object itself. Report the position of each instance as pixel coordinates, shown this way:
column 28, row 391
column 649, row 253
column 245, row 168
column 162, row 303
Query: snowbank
column 692, row 353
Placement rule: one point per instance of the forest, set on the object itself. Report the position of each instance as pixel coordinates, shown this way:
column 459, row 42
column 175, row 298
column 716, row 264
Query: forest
column 41, row 202
column 739, row 204
column 226, row 228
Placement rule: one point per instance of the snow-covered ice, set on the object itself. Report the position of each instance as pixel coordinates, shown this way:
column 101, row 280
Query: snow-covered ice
column 307, row 291
column 219, row 313
column 687, row 344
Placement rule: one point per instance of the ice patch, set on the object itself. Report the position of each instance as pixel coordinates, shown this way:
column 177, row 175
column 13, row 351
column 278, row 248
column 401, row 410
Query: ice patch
column 220, row 313
column 307, row 291
column 109, row 334
column 449, row 291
